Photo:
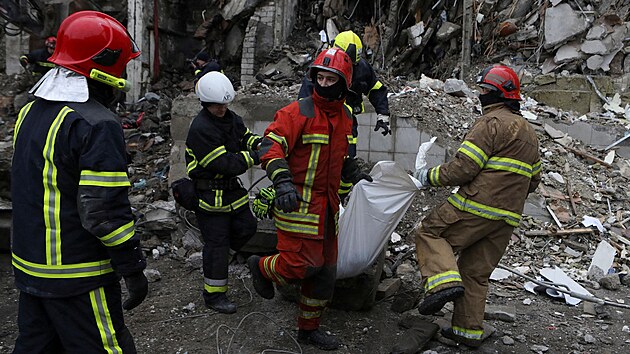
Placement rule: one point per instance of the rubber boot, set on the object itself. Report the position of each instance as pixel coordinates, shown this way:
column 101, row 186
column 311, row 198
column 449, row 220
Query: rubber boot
column 263, row 286
column 434, row 302
column 318, row 338
column 219, row 302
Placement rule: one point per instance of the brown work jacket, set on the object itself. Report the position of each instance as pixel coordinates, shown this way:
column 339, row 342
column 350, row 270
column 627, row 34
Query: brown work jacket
column 496, row 166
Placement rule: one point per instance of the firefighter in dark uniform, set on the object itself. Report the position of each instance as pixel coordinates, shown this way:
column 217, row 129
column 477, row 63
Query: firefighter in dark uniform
column 496, row 167
column 38, row 59
column 218, row 149
column 305, row 155
column 203, row 65
column 73, row 229
column 364, row 82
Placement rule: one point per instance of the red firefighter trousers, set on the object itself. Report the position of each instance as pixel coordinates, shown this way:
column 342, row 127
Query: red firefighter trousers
column 314, row 262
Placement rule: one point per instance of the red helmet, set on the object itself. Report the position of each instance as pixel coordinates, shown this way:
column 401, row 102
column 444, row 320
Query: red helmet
column 336, row 61
column 93, row 40
column 51, row 42
column 501, row 78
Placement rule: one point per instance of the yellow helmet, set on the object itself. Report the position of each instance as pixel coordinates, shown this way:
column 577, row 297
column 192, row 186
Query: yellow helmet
column 350, row 43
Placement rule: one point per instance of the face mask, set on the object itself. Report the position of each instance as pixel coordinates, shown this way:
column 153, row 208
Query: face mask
column 333, row 92
column 490, row 98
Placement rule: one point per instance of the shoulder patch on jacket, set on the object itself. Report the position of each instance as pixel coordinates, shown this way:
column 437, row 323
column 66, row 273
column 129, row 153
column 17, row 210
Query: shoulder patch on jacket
column 307, row 107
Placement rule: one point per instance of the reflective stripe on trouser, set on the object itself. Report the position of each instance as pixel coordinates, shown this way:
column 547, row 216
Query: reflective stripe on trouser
column 88, row 323
column 313, row 261
column 220, row 232
column 481, row 244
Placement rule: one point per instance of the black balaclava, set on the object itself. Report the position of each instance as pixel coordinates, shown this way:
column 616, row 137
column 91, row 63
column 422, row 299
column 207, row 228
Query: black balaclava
column 333, row 92
column 494, row 96
column 106, row 95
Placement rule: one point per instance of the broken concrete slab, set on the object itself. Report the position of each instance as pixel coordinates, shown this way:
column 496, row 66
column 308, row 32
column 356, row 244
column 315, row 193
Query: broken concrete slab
column 561, row 24
column 596, row 46
column 456, row 88
column 597, row 32
column 415, row 34
column 447, row 31
column 568, row 52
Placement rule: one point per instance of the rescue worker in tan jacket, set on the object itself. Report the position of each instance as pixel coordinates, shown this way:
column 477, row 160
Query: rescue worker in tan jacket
column 496, row 167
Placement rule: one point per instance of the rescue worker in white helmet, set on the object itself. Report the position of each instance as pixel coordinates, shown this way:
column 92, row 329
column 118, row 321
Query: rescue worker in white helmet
column 364, row 82
column 73, row 229
column 219, row 148
column 496, row 167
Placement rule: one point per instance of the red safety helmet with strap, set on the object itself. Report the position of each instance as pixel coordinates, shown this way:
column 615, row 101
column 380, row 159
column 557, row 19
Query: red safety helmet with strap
column 503, row 79
column 90, row 40
column 336, row 61
column 51, row 42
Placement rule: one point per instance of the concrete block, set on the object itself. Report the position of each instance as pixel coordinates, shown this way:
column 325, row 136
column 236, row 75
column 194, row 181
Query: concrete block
column 562, row 23
column 567, row 53
column 406, row 161
column 407, row 140
column 389, row 287
column 380, row 143
column 374, row 156
column 545, row 79
column 363, row 142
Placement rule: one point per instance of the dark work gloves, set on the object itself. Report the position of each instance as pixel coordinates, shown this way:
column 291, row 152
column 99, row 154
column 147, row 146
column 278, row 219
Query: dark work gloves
column 352, row 173
column 255, row 155
column 286, row 196
column 382, row 122
column 138, row 287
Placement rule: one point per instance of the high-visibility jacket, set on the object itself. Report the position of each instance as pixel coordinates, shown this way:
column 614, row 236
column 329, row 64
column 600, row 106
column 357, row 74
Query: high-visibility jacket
column 39, row 59
column 71, row 212
column 308, row 141
column 218, row 149
column 496, row 166
column 364, row 82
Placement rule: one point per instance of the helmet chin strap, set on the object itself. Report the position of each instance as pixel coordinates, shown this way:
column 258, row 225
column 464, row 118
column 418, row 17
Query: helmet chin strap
column 110, row 80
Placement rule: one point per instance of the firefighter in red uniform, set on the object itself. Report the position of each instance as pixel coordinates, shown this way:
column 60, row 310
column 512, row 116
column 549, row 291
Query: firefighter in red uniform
column 305, row 154
column 219, row 148
column 73, row 229
column 497, row 165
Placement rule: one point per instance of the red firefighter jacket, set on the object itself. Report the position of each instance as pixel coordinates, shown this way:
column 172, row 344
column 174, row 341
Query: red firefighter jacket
column 310, row 141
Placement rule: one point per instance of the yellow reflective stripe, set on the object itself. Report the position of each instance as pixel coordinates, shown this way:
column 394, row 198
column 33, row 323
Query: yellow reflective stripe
column 20, row 119
column 215, row 285
column 484, row 211
column 193, row 163
column 434, row 176
column 309, row 178
column 215, row 289
column 510, row 165
column 313, row 302
column 536, row 168
column 224, row 208
column 295, row 216
column 120, row 235
column 104, row 321
column 351, row 140
column 297, row 228
column 310, row 314
column 212, row 155
column 248, row 158
column 78, row 270
column 376, row 86
column 46, row 64
column 278, row 170
column 442, row 278
column 280, row 140
column 218, row 198
column 197, row 71
column 344, row 187
column 52, row 196
column 104, row 179
column 315, row 139
column 270, row 268
column 474, row 152
column 468, row 333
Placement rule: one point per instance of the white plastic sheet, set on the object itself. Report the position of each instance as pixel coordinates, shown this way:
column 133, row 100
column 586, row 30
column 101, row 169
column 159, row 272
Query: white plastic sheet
column 373, row 212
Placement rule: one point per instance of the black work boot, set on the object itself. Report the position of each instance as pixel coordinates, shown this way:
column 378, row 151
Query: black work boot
column 318, row 338
column 263, row 286
column 219, row 302
column 448, row 333
column 434, row 302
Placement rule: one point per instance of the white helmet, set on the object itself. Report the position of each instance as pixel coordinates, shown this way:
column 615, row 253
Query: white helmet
column 214, row 87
